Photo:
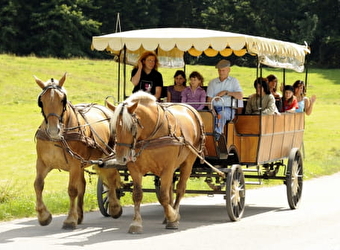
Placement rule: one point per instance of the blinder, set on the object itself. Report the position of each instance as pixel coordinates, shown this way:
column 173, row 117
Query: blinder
column 64, row 101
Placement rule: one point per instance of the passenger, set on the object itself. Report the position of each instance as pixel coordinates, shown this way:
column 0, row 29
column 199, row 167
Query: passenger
column 305, row 104
column 194, row 94
column 174, row 91
column 272, row 82
column 145, row 76
column 225, row 87
column 290, row 103
column 262, row 101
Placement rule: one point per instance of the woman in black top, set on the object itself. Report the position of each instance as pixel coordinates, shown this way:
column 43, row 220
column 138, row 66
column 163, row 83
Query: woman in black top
column 145, row 75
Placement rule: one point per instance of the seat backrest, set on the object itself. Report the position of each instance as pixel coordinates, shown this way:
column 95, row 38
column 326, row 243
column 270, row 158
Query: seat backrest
column 164, row 91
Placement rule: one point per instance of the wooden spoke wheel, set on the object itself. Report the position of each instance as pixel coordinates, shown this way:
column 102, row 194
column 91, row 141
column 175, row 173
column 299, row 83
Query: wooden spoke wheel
column 294, row 178
column 102, row 198
column 235, row 193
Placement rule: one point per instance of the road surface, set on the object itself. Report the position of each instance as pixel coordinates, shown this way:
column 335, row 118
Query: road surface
column 267, row 223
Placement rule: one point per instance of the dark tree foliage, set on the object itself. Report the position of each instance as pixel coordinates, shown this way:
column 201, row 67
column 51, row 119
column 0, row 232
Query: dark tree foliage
column 60, row 29
column 64, row 28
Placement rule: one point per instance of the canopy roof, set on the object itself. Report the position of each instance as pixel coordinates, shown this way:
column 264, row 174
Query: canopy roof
column 173, row 42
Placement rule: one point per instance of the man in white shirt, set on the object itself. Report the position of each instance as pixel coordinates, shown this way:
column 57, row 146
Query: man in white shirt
column 225, row 87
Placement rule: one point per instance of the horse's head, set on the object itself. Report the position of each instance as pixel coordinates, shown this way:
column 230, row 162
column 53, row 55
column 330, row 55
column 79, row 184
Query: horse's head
column 52, row 102
column 124, row 125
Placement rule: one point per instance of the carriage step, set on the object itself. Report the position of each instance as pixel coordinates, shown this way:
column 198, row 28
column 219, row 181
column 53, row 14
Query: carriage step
column 248, row 170
column 222, row 147
column 223, row 156
column 253, row 183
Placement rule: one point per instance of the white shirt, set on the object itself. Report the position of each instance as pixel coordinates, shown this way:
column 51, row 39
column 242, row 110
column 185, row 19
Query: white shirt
column 215, row 86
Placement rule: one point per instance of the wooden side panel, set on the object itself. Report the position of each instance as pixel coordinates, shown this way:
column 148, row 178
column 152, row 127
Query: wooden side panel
column 265, row 147
column 258, row 139
column 299, row 129
column 247, row 131
column 209, row 126
column 248, row 124
column 267, row 124
column 208, row 121
column 248, row 149
column 289, row 121
column 276, row 147
column 278, row 136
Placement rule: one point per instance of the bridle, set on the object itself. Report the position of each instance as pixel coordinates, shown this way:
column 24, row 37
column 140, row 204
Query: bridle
column 64, row 102
column 134, row 128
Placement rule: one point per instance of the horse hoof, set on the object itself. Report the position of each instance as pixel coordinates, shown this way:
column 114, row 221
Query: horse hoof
column 117, row 215
column 46, row 221
column 172, row 225
column 165, row 221
column 69, row 226
column 80, row 220
column 135, row 229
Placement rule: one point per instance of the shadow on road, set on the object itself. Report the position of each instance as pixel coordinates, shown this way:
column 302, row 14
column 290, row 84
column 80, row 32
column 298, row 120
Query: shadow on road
column 96, row 228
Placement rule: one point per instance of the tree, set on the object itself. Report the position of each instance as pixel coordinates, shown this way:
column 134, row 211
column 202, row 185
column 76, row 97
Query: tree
column 64, row 28
column 60, row 29
column 14, row 26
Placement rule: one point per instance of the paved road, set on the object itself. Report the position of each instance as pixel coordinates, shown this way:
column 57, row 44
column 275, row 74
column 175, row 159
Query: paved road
column 268, row 223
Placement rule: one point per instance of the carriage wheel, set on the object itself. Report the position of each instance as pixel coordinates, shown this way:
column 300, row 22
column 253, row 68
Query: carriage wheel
column 235, row 193
column 294, row 178
column 102, row 198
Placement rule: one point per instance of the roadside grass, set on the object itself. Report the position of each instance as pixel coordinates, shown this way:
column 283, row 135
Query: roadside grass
column 93, row 80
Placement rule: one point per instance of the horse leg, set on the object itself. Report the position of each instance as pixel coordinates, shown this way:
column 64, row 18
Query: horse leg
column 171, row 196
column 74, row 189
column 80, row 198
column 44, row 216
column 185, row 172
column 111, row 178
column 136, row 226
column 171, row 216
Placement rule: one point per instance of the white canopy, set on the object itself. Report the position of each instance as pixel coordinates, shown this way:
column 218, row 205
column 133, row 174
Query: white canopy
column 173, row 42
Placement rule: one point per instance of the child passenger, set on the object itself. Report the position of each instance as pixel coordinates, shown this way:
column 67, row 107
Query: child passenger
column 262, row 101
column 194, row 94
column 290, row 103
column 174, row 92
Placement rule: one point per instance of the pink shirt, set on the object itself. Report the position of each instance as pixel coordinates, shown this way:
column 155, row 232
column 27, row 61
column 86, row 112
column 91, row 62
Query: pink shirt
column 195, row 96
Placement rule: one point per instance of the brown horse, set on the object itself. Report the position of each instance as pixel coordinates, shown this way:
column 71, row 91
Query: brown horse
column 159, row 139
column 68, row 138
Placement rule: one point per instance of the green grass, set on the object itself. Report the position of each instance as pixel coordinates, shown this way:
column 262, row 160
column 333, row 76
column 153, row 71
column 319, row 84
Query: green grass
column 92, row 81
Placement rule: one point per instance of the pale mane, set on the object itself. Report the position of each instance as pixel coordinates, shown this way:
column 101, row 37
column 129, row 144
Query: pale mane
column 141, row 97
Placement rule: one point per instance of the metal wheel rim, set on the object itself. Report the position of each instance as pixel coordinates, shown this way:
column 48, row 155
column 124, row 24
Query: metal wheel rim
column 102, row 198
column 235, row 197
column 294, row 178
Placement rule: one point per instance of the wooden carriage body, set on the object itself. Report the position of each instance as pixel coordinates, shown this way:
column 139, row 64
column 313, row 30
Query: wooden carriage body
column 255, row 139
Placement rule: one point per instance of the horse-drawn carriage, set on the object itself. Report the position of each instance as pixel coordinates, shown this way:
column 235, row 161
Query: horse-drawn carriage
column 255, row 146
column 169, row 137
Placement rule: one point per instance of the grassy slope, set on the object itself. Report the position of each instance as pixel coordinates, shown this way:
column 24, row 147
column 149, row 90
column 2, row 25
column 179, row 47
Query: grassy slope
column 92, row 81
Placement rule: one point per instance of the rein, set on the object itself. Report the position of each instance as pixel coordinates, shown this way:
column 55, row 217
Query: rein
column 80, row 135
column 167, row 140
